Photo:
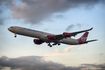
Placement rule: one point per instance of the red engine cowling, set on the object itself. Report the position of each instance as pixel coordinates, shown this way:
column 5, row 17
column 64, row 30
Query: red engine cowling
column 66, row 34
column 37, row 41
column 51, row 37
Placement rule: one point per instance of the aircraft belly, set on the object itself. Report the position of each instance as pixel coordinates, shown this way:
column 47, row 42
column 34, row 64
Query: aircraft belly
column 45, row 38
column 70, row 41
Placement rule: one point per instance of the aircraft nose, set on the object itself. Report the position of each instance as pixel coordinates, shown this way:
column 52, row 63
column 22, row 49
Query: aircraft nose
column 9, row 29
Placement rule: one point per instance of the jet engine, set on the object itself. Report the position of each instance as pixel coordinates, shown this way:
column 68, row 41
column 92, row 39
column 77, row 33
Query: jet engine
column 66, row 34
column 51, row 37
column 38, row 41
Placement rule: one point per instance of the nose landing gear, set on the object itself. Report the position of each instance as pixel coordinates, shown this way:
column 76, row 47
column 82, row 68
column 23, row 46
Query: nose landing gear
column 15, row 35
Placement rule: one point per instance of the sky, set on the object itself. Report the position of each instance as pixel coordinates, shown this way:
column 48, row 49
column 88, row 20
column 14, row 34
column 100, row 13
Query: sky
column 56, row 17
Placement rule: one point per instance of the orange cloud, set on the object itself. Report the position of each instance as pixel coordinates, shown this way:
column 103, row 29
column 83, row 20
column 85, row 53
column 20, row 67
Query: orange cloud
column 82, row 47
column 68, row 48
column 56, row 54
column 56, row 50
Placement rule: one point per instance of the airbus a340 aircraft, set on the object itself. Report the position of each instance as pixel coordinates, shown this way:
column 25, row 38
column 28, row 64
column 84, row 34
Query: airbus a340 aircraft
column 51, row 38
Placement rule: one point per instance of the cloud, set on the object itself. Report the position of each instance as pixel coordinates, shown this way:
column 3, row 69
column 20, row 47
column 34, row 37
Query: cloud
column 38, row 63
column 29, row 63
column 4, row 57
column 56, row 53
column 59, row 16
column 7, row 4
column 68, row 48
column 1, row 11
column 69, row 27
column 79, row 25
column 82, row 47
column 101, row 66
column 101, row 54
column 37, row 11
column 1, row 21
column 56, row 50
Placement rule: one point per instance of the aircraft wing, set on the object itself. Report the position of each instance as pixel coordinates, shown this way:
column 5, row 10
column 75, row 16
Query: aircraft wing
column 61, row 36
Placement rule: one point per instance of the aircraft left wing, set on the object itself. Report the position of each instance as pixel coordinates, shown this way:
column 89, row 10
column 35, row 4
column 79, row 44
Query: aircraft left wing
column 65, row 34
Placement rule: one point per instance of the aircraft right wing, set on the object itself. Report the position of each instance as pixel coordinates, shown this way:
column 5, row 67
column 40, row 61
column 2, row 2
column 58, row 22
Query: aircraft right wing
column 65, row 34
column 75, row 33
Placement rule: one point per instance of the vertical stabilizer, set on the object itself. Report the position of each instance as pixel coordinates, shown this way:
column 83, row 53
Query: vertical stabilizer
column 83, row 38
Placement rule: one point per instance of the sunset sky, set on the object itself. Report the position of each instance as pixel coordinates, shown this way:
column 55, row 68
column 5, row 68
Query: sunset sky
column 56, row 17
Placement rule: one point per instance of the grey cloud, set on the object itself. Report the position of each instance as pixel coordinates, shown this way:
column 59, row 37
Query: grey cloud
column 7, row 4
column 102, row 66
column 101, row 54
column 79, row 25
column 70, row 27
column 37, row 11
column 87, row 65
column 1, row 21
column 1, row 11
column 1, row 67
column 38, row 63
column 73, row 25
column 59, row 16
column 28, row 62
column 3, row 58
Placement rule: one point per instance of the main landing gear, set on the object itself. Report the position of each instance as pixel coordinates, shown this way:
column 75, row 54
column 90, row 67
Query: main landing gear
column 15, row 35
column 56, row 44
column 49, row 45
column 53, row 44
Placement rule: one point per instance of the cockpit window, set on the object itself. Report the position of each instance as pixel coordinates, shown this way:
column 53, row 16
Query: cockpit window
column 11, row 27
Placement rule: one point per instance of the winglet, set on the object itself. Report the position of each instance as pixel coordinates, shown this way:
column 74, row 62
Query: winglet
column 91, row 28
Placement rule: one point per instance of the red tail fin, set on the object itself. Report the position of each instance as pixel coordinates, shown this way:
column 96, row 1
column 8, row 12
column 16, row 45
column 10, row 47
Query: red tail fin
column 83, row 38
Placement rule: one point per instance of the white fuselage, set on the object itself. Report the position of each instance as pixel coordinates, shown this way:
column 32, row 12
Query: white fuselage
column 41, row 35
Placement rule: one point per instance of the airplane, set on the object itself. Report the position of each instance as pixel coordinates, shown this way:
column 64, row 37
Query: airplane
column 49, row 38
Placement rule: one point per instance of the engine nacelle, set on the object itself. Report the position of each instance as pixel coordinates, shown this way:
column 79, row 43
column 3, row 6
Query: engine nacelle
column 66, row 34
column 38, row 41
column 51, row 37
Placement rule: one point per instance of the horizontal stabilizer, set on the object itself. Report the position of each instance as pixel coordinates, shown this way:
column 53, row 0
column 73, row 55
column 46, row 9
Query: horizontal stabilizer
column 90, row 41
